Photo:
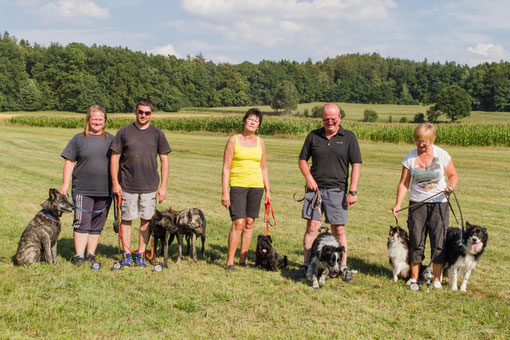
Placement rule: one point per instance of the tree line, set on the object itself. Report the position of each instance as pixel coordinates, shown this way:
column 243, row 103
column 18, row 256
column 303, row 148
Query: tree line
column 72, row 77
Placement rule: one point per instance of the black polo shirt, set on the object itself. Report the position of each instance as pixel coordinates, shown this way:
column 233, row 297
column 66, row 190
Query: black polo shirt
column 331, row 158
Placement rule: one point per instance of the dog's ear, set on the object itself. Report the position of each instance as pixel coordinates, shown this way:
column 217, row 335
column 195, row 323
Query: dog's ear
column 341, row 249
column 158, row 215
column 269, row 239
column 53, row 194
column 467, row 224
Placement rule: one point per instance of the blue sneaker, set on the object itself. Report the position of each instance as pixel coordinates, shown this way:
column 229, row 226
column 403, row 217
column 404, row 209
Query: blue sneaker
column 140, row 260
column 126, row 260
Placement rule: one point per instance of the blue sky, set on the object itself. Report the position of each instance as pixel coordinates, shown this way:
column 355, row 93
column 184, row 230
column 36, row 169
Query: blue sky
column 465, row 31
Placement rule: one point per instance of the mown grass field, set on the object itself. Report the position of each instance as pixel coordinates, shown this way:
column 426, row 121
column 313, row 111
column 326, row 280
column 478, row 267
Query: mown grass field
column 201, row 300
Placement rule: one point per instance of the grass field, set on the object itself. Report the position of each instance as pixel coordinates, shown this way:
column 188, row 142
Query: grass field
column 201, row 300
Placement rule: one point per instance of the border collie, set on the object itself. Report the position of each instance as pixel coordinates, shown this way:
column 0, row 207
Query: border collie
column 325, row 260
column 463, row 252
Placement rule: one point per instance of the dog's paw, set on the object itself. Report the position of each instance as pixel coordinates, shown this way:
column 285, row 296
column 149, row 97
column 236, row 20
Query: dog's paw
column 395, row 278
column 463, row 288
column 454, row 288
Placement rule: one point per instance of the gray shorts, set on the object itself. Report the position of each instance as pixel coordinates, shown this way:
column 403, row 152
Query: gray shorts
column 137, row 205
column 333, row 206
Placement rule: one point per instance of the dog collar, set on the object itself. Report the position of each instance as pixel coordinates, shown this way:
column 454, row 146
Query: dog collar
column 49, row 215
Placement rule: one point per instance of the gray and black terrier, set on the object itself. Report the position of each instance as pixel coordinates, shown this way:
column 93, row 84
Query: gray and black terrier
column 41, row 234
column 266, row 256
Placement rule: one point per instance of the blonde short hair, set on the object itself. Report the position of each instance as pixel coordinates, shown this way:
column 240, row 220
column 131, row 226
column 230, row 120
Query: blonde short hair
column 93, row 108
column 425, row 131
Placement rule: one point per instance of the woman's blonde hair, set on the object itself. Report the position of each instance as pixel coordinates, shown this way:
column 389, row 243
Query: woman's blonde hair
column 425, row 131
column 93, row 108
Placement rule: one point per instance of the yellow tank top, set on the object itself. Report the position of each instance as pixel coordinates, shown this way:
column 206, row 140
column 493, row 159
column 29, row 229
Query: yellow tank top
column 245, row 170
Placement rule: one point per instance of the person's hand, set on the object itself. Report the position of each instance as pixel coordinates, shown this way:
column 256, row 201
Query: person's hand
column 161, row 195
column 64, row 189
column 268, row 196
column 117, row 191
column 351, row 199
column 225, row 200
column 395, row 210
column 449, row 189
column 311, row 184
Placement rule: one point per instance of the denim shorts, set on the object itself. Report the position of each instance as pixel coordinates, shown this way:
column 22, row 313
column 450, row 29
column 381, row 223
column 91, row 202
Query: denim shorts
column 138, row 205
column 333, row 206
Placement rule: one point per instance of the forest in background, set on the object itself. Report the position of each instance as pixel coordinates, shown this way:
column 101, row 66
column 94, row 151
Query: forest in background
column 72, row 77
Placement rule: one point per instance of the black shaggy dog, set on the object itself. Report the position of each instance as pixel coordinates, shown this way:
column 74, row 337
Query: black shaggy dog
column 463, row 252
column 41, row 234
column 266, row 256
column 325, row 261
column 398, row 253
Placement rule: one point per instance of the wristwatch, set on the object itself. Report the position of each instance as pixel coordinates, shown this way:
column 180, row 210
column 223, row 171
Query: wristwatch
column 353, row 193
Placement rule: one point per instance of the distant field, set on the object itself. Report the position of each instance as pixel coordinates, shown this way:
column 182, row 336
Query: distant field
column 354, row 112
column 202, row 301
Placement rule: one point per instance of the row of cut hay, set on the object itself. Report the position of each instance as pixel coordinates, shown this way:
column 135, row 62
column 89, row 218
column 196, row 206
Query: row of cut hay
column 450, row 134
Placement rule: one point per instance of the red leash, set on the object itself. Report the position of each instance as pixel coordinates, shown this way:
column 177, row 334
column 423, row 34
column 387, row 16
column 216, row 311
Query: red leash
column 267, row 217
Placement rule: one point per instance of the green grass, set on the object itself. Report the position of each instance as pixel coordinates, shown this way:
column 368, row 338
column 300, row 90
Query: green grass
column 200, row 300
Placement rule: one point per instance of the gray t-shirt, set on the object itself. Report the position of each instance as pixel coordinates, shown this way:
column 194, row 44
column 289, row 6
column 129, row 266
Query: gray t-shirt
column 138, row 151
column 91, row 174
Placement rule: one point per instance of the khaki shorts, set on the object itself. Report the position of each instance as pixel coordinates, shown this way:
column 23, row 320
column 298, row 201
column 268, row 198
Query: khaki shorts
column 137, row 205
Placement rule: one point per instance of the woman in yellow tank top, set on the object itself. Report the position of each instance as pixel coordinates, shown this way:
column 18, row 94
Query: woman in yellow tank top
column 244, row 179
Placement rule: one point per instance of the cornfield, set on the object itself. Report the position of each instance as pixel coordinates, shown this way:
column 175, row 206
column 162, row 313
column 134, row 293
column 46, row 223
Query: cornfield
column 450, row 134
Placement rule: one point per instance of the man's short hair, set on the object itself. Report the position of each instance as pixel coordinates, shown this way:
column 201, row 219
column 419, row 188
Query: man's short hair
column 144, row 102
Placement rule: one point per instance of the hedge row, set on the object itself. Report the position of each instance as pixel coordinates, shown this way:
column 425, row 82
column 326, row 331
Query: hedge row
column 451, row 134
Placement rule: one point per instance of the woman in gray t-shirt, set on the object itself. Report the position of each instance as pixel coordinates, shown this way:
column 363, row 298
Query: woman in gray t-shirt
column 87, row 162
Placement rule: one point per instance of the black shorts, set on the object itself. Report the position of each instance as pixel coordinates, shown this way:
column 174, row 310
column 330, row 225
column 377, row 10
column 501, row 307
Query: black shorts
column 432, row 219
column 86, row 221
column 245, row 202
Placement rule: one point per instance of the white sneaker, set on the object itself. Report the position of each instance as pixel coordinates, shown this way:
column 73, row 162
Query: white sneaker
column 437, row 285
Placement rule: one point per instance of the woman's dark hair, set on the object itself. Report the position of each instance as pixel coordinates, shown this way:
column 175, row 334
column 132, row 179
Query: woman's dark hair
column 253, row 112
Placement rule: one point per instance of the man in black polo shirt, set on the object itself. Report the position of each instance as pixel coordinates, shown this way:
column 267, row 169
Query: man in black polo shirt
column 332, row 149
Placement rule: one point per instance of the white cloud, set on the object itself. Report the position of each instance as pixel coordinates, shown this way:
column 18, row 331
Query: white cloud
column 490, row 52
column 165, row 50
column 79, row 12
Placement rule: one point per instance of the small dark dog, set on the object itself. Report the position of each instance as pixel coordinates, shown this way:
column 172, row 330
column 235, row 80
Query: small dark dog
column 266, row 256
column 41, row 234
column 325, row 261
column 463, row 252
column 398, row 252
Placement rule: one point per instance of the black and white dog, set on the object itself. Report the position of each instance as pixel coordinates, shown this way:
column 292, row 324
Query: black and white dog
column 266, row 256
column 41, row 234
column 398, row 252
column 463, row 252
column 325, row 260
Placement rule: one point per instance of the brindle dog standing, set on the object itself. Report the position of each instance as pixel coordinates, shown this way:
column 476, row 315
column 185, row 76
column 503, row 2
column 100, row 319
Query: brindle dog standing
column 190, row 223
column 41, row 234
column 161, row 226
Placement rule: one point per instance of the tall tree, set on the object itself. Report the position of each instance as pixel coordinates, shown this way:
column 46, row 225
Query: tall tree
column 454, row 102
column 286, row 97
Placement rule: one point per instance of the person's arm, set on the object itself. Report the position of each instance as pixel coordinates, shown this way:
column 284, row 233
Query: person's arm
column 305, row 170
column 163, row 158
column 67, row 173
column 265, row 175
column 453, row 177
column 402, row 188
column 114, row 171
column 225, row 174
column 355, row 175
